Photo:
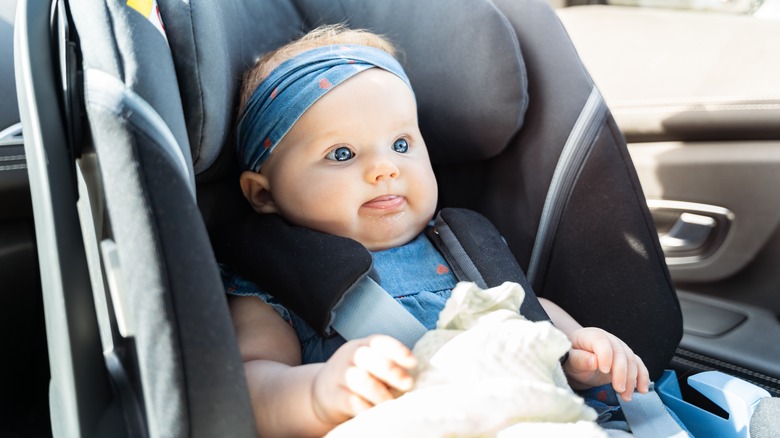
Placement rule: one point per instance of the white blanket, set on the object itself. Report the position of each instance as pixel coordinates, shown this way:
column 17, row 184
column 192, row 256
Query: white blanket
column 484, row 371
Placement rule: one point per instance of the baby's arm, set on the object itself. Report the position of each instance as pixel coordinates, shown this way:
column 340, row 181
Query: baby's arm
column 598, row 357
column 290, row 399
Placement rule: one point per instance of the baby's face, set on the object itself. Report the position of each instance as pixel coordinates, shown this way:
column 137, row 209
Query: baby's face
column 355, row 164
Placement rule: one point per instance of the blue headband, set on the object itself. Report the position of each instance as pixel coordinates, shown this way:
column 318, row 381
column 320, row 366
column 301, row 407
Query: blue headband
column 292, row 87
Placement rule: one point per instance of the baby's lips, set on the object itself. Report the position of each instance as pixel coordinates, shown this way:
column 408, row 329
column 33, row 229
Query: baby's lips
column 385, row 202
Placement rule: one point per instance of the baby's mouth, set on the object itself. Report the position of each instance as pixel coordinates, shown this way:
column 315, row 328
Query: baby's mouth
column 386, row 202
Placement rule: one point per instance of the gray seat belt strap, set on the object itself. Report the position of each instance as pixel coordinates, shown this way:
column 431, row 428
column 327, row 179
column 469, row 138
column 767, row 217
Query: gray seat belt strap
column 368, row 309
column 648, row 418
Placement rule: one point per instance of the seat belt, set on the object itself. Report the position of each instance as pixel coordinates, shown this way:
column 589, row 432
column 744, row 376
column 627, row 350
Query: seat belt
column 647, row 417
column 368, row 309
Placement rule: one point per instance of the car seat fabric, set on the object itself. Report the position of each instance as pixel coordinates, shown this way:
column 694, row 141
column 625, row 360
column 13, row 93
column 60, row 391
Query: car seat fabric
column 189, row 372
column 135, row 55
column 604, row 264
column 212, row 45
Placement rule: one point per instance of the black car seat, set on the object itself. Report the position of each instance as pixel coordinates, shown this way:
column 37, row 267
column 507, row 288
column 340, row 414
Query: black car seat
column 140, row 339
column 129, row 116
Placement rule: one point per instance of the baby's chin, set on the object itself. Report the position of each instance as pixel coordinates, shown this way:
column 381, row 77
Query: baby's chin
column 378, row 234
column 394, row 242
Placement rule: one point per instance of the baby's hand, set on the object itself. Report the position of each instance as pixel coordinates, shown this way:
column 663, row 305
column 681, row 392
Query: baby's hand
column 362, row 373
column 598, row 357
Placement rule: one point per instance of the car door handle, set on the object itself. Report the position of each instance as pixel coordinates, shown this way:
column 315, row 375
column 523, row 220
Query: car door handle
column 688, row 234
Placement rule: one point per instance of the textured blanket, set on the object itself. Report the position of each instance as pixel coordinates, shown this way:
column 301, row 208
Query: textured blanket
column 484, row 371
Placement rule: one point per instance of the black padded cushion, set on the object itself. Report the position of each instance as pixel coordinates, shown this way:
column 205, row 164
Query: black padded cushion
column 468, row 76
column 293, row 262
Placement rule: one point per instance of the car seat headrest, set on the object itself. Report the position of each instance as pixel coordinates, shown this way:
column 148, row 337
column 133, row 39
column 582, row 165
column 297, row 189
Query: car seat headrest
column 466, row 69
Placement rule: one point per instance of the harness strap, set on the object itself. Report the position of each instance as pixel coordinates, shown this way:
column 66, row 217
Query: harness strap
column 648, row 418
column 368, row 309
column 480, row 256
column 477, row 252
column 457, row 256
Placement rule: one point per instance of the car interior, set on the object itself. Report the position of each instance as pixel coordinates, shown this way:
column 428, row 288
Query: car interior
column 629, row 156
column 24, row 403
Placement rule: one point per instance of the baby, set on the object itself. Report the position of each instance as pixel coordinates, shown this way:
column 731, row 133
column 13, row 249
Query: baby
column 329, row 140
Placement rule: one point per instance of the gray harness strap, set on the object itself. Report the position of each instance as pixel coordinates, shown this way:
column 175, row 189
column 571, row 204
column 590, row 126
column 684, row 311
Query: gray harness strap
column 648, row 418
column 368, row 309
column 460, row 256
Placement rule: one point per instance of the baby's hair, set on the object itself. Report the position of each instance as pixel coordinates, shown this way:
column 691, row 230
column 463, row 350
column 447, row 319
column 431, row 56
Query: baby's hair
column 321, row 36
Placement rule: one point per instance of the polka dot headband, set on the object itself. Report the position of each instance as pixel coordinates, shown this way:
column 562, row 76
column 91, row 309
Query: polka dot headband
column 292, row 87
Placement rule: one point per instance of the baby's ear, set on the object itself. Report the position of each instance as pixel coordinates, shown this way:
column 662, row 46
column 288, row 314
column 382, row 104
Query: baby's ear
column 257, row 191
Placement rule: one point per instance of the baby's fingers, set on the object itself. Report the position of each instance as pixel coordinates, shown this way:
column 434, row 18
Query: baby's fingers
column 599, row 343
column 630, row 381
column 388, row 361
column 622, row 369
column 643, row 377
column 394, row 350
column 638, row 378
column 367, row 389
column 581, row 361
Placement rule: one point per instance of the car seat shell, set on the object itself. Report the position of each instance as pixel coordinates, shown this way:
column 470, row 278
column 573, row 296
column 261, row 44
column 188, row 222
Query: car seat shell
column 496, row 154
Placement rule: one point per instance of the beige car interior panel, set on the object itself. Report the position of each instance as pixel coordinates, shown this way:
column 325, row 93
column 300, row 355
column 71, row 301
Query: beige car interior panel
column 740, row 175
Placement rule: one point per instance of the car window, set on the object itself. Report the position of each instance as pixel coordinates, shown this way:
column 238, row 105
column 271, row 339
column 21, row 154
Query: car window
column 758, row 8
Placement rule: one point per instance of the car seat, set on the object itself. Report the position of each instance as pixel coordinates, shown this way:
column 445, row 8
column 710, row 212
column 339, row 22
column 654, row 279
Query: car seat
column 128, row 107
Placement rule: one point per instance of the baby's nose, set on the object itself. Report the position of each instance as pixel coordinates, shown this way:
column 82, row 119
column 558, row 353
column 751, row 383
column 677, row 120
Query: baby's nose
column 382, row 168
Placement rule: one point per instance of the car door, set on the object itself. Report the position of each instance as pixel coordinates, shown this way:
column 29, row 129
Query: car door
column 23, row 393
column 694, row 88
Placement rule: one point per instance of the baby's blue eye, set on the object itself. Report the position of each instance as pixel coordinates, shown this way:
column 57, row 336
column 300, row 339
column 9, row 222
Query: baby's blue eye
column 401, row 146
column 341, row 153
